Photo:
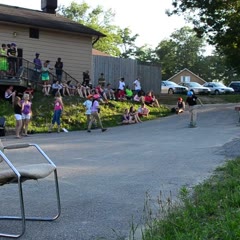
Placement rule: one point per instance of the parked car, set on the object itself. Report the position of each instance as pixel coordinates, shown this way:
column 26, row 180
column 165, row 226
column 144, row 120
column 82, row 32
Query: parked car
column 235, row 85
column 171, row 88
column 196, row 88
column 218, row 88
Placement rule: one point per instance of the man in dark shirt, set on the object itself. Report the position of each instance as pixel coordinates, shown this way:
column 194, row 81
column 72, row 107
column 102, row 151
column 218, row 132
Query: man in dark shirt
column 12, row 58
column 59, row 69
column 86, row 79
column 192, row 102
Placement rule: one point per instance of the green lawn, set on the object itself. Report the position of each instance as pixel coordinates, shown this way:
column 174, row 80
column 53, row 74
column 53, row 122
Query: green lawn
column 73, row 117
column 210, row 211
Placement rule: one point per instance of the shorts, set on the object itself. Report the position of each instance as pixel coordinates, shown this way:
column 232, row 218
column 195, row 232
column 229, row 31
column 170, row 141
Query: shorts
column 18, row 117
column 26, row 116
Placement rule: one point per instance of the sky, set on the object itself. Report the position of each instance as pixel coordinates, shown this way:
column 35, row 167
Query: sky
column 145, row 18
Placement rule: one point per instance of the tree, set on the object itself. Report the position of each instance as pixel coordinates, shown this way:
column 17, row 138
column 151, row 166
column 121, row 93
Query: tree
column 128, row 47
column 99, row 20
column 217, row 21
column 182, row 50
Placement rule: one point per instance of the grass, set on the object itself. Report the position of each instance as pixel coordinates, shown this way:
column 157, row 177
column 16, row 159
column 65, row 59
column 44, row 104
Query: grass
column 73, row 117
column 210, row 211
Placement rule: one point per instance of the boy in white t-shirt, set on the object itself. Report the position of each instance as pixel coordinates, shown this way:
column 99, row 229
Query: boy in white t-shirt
column 121, row 89
column 88, row 106
column 137, row 85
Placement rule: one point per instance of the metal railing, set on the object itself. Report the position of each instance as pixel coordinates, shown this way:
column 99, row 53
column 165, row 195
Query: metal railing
column 26, row 74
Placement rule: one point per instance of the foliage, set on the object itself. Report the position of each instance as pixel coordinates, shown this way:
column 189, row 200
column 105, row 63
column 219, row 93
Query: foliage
column 182, row 50
column 218, row 21
column 210, row 211
column 128, row 48
column 99, row 20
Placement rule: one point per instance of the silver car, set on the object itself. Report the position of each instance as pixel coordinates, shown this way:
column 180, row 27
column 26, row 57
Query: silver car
column 196, row 88
column 171, row 88
column 218, row 88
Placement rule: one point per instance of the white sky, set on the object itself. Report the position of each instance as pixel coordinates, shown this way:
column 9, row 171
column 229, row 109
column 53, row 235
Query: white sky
column 146, row 18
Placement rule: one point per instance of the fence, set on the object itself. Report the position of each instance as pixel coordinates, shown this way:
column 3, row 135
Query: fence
column 115, row 68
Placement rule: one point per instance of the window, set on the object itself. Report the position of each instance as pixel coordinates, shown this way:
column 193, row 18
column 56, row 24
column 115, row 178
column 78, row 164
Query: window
column 33, row 33
column 185, row 78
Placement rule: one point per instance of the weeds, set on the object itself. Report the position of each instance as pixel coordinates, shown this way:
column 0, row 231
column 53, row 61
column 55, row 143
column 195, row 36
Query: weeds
column 210, row 211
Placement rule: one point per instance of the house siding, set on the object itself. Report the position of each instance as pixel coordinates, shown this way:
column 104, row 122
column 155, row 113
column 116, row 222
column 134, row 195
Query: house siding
column 74, row 49
column 184, row 73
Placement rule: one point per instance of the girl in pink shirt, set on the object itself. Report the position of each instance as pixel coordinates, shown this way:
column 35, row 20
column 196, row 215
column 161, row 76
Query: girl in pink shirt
column 58, row 108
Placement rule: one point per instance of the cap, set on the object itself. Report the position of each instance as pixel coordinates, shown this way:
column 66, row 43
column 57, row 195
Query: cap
column 89, row 96
column 180, row 99
column 189, row 93
column 13, row 44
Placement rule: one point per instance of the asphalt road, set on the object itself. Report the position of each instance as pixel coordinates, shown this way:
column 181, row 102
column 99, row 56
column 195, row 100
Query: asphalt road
column 104, row 177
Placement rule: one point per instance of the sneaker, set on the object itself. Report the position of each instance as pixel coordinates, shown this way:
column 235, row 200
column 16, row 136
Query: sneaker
column 104, row 129
column 88, row 130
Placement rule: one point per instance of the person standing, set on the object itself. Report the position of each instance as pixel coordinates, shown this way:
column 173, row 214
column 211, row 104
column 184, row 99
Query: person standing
column 86, row 79
column 95, row 110
column 137, row 85
column 3, row 60
column 26, row 113
column 58, row 108
column 88, row 106
column 101, row 80
column 18, row 115
column 37, row 67
column 59, row 69
column 192, row 102
column 121, row 89
column 46, row 78
column 12, row 59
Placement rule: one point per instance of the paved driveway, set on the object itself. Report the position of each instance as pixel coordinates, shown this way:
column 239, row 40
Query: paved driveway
column 104, row 176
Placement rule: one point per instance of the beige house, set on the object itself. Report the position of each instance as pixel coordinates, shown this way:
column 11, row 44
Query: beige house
column 49, row 34
column 186, row 76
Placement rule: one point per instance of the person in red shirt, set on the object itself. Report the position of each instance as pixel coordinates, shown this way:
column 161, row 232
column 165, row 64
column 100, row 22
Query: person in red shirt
column 151, row 100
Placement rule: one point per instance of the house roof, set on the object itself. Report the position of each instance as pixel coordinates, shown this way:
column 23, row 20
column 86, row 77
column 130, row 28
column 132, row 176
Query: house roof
column 185, row 69
column 40, row 19
column 99, row 53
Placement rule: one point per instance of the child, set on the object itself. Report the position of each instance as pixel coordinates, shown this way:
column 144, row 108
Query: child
column 134, row 115
column 18, row 115
column 26, row 113
column 88, row 105
column 143, row 110
column 180, row 106
column 58, row 108
column 95, row 109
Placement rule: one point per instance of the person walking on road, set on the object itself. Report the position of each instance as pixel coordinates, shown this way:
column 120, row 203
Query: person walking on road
column 95, row 110
column 192, row 103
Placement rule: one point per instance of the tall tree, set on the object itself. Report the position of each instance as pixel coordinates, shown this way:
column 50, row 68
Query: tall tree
column 218, row 21
column 98, row 19
column 128, row 46
column 182, row 50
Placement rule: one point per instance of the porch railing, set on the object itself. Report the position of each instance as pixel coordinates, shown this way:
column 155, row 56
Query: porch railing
column 25, row 74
